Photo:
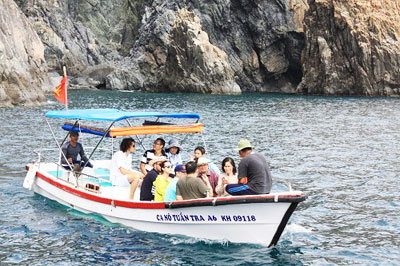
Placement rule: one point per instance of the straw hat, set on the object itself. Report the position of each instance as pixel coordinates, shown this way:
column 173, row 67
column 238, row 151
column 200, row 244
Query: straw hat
column 203, row 160
column 157, row 159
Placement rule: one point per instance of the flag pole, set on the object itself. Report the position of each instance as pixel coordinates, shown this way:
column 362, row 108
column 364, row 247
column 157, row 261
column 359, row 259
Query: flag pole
column 66, row 88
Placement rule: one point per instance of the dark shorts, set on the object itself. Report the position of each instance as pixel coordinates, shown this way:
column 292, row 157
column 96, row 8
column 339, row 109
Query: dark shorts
column 81, row 163
column 239, row 189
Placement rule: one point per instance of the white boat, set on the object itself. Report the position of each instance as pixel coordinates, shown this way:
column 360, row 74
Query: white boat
column 258, row 219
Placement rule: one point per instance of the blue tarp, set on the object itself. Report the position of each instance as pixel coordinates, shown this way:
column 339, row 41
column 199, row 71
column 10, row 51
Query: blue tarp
column 84, row 130
column 110, row 114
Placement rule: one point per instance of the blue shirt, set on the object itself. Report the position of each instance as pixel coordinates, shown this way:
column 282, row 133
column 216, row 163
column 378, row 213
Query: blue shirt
column 170, row 192
column 214, row 168
column 174, row 159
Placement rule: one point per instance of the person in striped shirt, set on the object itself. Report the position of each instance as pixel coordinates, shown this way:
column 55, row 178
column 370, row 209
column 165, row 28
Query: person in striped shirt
column 157, row 151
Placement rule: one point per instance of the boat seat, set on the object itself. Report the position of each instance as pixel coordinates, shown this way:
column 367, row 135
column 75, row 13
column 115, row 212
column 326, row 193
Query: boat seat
column 102, row 173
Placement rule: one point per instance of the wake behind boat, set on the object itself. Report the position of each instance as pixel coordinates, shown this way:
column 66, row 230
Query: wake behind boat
column 258, row 219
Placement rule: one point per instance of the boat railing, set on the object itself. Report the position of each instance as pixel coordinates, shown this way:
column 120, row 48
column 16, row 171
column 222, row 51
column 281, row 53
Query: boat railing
column 89, row 182
column 57, row 152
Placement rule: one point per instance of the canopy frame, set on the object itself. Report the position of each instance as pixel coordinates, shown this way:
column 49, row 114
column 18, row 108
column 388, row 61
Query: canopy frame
column 111, row 115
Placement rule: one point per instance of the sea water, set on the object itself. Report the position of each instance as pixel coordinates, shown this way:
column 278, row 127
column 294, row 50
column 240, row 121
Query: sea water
column 343, row 151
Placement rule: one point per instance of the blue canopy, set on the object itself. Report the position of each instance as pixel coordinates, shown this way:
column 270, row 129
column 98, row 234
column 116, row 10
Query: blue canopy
column 110, row 114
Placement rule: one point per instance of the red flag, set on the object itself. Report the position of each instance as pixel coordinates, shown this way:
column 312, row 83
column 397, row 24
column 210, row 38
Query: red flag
column 60, row 92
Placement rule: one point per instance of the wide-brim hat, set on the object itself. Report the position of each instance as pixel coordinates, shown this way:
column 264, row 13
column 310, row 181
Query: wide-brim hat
column 157, row 159
column 203, row 160
column 243, row 144
column 173, row 143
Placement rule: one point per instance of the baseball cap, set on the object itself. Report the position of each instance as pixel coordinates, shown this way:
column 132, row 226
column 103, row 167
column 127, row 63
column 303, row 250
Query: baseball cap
column 180, row 168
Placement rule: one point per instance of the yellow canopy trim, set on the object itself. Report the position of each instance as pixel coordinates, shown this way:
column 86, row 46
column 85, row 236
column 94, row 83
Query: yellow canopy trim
column 157, row 129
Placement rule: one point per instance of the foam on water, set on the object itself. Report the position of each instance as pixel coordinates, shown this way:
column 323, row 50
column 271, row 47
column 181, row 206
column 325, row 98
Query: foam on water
column 295, row 228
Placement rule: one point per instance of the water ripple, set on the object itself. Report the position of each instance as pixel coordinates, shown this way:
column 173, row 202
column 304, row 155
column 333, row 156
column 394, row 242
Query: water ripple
column 343, row 151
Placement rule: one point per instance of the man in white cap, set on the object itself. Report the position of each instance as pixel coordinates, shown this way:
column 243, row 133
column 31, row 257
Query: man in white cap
column 205, row 172
column 253, row 174
column 199, row 151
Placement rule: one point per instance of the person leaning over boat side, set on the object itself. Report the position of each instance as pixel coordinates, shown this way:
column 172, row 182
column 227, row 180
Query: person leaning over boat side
column 157, row 151
column 199, row 152
column 172, row 151
column 71, row 149
column 205, row 172
column 170, row 192
column 147, row 189
column 192, row 187
column 121, row 173
column 254, row 175
column 228, row 177
column 162, row 181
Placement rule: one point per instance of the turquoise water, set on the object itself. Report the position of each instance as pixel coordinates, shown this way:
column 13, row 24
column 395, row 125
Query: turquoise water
column 343, row 151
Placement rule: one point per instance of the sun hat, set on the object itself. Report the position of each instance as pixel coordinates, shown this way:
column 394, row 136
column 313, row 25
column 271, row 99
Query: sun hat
column 180, row 168
column 244, row 143
column 203, row 160
column 173, row 143
column 157, row 159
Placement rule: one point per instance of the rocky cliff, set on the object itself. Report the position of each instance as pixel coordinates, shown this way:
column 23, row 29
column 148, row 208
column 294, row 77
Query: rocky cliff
column 352, row 48
column 261, row 39
column 193, row 64
column 328, row 47
column 23, row 70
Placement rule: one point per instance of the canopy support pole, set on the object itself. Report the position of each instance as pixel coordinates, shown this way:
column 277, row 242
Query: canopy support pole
column 204, row 141
column 137, row 137
column 95, row 148
column 58, row 145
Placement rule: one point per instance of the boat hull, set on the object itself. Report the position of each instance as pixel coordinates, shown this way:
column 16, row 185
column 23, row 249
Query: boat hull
column 247, row 219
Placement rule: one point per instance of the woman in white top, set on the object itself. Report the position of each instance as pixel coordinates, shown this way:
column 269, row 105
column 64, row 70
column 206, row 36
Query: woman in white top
column 229, row 176
column 173, row 150
column 121, row 173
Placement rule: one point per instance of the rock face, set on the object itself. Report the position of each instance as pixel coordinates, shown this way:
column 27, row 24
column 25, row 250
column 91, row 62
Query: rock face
column 23, row 70
column 352, row 48
column 193, row 63
column 64, row 30
column 91, row 38
column 344, row 47
column 261, row 39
